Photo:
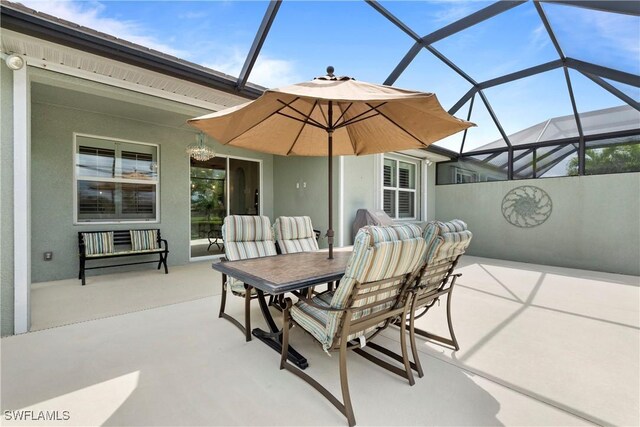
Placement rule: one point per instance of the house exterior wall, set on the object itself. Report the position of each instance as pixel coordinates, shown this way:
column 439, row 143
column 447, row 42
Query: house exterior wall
column 594, row 224
column 292, row 198
column 52, row 184
column 6, row 200
column 360, row 190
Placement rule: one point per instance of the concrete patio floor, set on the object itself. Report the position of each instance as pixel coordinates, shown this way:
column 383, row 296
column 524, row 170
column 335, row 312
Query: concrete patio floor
column 539, row 346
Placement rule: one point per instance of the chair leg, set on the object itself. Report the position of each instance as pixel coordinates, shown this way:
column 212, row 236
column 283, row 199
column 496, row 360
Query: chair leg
column 285, row 338
column 344, row 385
column 345, row 408
column 405, row 356
column 246, row 328
column 453, row 335
column 412, row 337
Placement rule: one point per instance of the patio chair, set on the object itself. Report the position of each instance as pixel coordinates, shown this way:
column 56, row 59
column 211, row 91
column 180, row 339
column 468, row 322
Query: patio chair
column 245, row 237
column 295, row 234
column 446, row 243
column 373, row 293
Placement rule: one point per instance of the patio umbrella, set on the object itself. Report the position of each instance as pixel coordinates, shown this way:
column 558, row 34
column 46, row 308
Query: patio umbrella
column 332, row 116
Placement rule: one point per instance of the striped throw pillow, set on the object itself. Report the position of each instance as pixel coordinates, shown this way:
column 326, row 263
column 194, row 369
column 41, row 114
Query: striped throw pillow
column 142, row 240
column 98, row 243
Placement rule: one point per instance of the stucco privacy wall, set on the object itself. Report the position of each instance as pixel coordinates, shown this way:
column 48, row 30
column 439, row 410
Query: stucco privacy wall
column 6, row 200
column 594, row 224
column 52, row 184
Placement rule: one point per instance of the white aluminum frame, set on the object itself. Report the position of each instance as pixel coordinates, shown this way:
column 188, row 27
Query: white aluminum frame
column 261, row 198
column 21, row 201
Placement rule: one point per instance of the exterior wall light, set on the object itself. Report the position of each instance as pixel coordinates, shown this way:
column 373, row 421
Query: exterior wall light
column 14, row 62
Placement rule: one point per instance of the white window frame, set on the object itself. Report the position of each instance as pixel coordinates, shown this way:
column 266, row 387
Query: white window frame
column 417, row 205
column 156, row 182
column 466, row 172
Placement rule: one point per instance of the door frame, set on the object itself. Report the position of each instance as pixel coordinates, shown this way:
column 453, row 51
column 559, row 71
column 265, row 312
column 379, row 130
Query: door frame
column 227, row 157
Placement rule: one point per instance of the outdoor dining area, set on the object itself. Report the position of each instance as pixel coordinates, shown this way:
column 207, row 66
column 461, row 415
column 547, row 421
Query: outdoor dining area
column 390, row 277
column 415, row 238
column 391, row 272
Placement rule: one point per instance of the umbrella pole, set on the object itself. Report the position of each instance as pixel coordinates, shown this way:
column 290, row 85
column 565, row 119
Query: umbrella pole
column 330, row 142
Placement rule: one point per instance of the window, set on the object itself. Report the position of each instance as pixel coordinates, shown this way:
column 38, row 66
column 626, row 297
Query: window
column 400, row 184
column 464, row 176
column 115, row 180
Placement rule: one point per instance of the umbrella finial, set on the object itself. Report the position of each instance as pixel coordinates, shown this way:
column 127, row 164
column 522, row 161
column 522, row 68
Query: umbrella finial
column 330, row 71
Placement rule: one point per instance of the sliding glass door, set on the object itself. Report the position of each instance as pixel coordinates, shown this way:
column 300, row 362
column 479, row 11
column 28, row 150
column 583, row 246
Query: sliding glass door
column 220, row 186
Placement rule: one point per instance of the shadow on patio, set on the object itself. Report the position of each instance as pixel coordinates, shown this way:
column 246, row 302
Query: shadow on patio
column 538, row 346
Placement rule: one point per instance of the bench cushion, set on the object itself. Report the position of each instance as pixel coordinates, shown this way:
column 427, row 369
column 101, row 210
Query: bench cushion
column 127, row 252
column 142, row 240
column 98, row 243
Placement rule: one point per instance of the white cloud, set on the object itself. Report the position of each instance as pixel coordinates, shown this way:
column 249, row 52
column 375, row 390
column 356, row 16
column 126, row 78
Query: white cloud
column 539, row 38
column 89, row 14
column 618, row 30
column 267, row 71
column 453, row 10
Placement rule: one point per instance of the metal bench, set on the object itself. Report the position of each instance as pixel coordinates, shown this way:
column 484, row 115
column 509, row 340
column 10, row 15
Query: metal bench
column 120, row 238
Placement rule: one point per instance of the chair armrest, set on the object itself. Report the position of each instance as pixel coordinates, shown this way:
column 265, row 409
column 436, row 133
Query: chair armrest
column 166, row 244
column 319, row 307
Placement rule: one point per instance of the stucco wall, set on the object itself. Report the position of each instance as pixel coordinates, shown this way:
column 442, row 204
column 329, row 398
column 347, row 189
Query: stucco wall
column 594, row 225
column 359, row 186
column 312, row 200
column 6, row 200
column 359, row 189
column 52, row 184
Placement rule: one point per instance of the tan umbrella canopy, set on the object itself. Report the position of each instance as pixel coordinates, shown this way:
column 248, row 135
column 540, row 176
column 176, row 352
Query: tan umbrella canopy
column 333, row 116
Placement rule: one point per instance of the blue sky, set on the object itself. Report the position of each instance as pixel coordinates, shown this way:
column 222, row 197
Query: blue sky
column 350, row 35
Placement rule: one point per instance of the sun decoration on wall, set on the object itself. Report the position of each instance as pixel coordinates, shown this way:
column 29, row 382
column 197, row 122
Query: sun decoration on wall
column 526, row 206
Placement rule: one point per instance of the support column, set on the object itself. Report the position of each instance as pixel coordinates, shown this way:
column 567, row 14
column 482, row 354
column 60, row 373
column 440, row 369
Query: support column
column 21, row 200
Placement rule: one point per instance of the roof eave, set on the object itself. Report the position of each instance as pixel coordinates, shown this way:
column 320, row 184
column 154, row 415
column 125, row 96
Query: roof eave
column 26, row 23
column 442, row 151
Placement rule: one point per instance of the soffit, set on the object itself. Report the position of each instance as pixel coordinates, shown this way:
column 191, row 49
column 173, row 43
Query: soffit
column 48, row 55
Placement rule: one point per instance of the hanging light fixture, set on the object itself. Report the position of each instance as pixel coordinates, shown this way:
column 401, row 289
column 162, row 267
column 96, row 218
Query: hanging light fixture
column 200, row 151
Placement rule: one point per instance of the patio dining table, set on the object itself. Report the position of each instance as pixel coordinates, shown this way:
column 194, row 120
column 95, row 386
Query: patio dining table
column 279, row 274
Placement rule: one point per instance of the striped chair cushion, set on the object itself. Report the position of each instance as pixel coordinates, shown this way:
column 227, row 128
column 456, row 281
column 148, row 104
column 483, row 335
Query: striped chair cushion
column 246, row 237
column 143, row 240
column 98, row 243
column 311, row 318
column 246, row 250
column 247, row 228
column 295, row 234
column 378, row 253
column 446, row 242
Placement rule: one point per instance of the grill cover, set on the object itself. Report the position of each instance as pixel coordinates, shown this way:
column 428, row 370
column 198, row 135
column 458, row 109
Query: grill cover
column 369, row 217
